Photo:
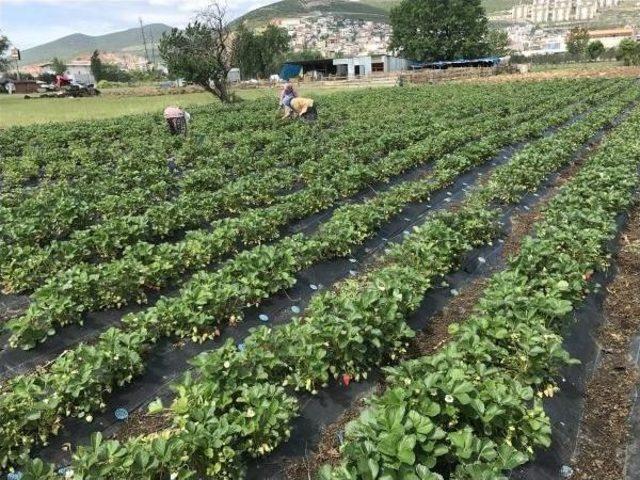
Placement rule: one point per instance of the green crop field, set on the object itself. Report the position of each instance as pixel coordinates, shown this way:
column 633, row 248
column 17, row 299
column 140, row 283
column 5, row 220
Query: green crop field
column 208, row 306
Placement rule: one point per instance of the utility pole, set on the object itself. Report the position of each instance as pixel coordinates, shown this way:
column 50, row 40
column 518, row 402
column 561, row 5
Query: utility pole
column 144, row 41
column 153, row 49
column 15, row 55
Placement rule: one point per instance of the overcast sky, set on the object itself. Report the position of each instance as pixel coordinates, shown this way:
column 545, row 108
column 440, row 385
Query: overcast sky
column 28, row 23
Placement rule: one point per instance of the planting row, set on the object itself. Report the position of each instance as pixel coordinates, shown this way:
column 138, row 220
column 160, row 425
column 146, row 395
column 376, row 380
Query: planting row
column 474, row 409
column 25, row 265
column 85, row 202
column 108, row 187
column 208, row 142
column 65, row 297
column 74, row 384
column 343, row 333
column 237, row 407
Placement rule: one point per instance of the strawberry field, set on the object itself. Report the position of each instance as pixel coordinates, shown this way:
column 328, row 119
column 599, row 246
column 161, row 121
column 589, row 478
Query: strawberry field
column 212, row 306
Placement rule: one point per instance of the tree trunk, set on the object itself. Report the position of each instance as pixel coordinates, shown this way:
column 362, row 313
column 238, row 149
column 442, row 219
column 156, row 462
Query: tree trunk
column 219, row 90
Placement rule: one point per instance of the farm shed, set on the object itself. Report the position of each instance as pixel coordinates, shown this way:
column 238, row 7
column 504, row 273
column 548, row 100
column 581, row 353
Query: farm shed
column 366, row 65
column 234, row 75
column 22, row 86
column 303, row 67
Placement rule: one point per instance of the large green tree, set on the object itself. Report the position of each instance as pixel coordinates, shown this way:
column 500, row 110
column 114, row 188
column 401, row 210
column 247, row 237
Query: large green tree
column 259, row 55
column 595, row 49
column 201, row 52
column 307, row 54
column 431, row 30
column 577, row 41
column 275, row 43
column 246, row 52
column 497, row 42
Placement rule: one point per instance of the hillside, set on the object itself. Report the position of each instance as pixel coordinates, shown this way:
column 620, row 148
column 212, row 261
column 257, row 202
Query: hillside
column 489, row 5
column 68, row 47
column 339, row 8
column 364, row 9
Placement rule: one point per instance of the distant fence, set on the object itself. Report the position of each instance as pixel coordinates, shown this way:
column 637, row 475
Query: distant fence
column 446, row 75
column 380, row 79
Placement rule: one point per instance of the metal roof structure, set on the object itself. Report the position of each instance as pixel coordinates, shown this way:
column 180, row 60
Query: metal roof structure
column 476, row 62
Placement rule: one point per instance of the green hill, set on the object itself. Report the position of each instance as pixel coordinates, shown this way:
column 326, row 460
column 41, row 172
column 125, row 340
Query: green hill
column 339, row 8
column 377, row 10
column 490, row 5
column 68, row 47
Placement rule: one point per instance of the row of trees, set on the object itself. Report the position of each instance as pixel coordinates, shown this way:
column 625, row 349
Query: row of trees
column 579, row 45
column 629, row 52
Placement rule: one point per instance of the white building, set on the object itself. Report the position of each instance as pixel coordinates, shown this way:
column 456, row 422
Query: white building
column 78, row 70
column 366, row 65
column 612, row 37
column 550, row 11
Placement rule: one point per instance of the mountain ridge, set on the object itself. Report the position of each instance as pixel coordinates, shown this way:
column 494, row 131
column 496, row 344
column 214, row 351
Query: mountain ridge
column 75, row 44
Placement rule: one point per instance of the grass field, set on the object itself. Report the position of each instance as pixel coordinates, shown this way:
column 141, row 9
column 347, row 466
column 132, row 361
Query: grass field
column 15, row 110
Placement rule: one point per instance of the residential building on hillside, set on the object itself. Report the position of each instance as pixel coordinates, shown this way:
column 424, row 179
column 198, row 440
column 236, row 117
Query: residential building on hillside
column 529, row 40
column 80, row 66
column 334, row 36
column 552, row 11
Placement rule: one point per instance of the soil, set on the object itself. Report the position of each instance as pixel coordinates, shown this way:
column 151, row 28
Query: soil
column 604, row 431
column 12, row 306
column 606, row 72
column 141, row 422
column 328, row 448
column 436, row 334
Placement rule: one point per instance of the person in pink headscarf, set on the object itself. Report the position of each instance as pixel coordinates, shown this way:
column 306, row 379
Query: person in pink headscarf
column 177, row 120
column 287, row 94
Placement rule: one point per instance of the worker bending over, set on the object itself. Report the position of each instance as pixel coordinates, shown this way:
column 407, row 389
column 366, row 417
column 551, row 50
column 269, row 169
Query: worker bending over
column 177, row 120
column 295, row 106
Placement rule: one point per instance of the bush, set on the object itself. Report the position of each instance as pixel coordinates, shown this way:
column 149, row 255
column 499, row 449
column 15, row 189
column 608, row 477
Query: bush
column 629, row 52
column 109, row 84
